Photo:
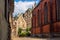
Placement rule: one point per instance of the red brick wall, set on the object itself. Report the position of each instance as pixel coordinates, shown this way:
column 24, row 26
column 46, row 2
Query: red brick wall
column 51, row 11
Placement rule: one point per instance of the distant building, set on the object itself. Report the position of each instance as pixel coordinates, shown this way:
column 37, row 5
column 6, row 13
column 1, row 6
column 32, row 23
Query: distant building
column 27, row 17
column 22, row 20
column 20, row 23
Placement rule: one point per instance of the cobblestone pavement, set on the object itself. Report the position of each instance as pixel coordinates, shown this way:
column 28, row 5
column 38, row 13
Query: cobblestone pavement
column 29, row 38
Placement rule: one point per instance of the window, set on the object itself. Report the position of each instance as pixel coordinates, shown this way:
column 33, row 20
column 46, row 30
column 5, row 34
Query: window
column 58, row 10
column 45, row 13
column 39, row 18
column 34, row 20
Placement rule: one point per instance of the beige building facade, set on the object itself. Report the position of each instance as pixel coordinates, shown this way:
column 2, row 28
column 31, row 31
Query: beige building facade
column 19, row 23
column 28, row 17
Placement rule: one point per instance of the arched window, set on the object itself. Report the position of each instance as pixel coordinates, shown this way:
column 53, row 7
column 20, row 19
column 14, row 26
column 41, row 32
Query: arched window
column 34, row 20
column 39, row 18
column 58, row 9
column 45, row 13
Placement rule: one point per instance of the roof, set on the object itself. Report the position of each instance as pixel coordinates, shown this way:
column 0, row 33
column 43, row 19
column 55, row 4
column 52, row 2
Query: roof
column 38, row 4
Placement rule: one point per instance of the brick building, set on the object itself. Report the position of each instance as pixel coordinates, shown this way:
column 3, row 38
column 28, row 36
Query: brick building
column 46, row 18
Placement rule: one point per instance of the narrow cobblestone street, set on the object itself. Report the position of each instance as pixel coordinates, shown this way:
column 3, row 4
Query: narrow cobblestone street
column 29, row 38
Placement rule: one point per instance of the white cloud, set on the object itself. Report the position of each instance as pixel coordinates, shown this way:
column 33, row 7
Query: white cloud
column 20, row 6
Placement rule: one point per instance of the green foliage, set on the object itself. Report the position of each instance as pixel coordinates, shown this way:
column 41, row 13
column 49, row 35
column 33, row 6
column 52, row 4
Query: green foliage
column 19, row 31
column 28, row 29
column 28, row 33
column 25, row 33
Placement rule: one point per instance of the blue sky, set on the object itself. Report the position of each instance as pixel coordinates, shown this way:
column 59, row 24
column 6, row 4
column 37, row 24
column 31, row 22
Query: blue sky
column 20, row 6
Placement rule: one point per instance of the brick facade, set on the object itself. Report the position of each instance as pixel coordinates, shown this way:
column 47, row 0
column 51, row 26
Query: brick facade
column 45, row 19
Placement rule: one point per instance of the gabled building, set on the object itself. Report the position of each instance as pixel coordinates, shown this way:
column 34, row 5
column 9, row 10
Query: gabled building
column 19, row 22
column 28, row 17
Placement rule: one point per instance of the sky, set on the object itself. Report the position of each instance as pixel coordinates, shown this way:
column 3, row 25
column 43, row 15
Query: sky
column 20, row 6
